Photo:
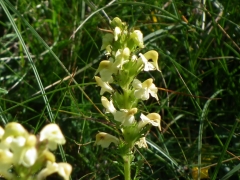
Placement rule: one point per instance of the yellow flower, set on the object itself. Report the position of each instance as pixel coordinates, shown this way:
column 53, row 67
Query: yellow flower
column 121, row 57
column 21, row 144
column 203, row 173
column 63, row 169
column 6, row 158
column 1, row 132
column 53, row 135
column 14, row 129
column 108, row 105
column 125, row 116
column 106, row 69
column 150, row 60
column 27, row 155
column 104, row 139
column 142, row 143
column 153, row 118
column 137, row 37
column 142, row 90
column 105, row 87
column 117, row 32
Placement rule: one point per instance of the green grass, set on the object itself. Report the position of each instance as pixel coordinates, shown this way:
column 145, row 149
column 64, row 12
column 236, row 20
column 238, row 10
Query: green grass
column 38, row 49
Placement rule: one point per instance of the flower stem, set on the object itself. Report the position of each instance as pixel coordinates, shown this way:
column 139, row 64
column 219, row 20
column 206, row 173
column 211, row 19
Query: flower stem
column 127, row 166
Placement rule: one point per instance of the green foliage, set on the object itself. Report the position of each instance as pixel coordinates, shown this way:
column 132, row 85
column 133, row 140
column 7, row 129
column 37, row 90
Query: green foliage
column 64, row 38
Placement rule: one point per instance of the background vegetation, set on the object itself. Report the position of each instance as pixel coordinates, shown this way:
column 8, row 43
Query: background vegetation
column 197, row 57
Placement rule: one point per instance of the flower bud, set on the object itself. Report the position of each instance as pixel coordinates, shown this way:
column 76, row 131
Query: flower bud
column 117, row 22
column 14, row 129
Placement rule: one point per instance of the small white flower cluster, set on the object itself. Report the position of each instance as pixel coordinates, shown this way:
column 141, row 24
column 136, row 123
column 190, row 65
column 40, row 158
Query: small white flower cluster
column 27, row 156
column 121, row 69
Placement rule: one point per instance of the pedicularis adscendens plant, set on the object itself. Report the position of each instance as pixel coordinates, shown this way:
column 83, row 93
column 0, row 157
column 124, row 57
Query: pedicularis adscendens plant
column 24, row 156
column 121, row 70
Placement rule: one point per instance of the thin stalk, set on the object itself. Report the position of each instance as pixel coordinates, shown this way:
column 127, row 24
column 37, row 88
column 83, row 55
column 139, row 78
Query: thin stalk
column 127, row 166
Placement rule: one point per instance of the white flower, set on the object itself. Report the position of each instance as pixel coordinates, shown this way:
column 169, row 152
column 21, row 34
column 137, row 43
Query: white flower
column 153, row 118
column 63, row 169
column 6, row 161
column 122, row 57
column 142, row 90
column 6, row 156
column 126, row 52
column 53, row 135
column 106, row 69
column 134, row 58
column 15, row 142
column 137, row 37
column 125, row 116
column 1, row 132
column 29, row 157
column 142, row 143
column 23, row 149
column 108, row 105
column 104, row 139
column 150, row 60
column 14, row 129
column 105, row 87
column 117, row 32
column 28, row 154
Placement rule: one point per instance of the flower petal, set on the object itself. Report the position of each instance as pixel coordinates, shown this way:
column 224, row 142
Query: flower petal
column 104, row 139
column 53, row 135
column 150, row 60
column 152, row 118
column 137, row 37
column 142, row 90
column 108, row 105
column 105, row 87
column 125, row 116
column 63, row 169
column 117, row 32
column 142, row 143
